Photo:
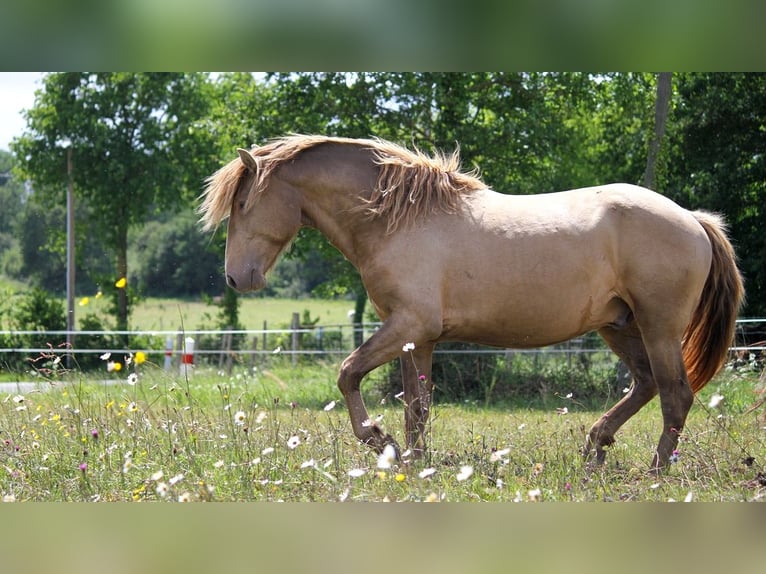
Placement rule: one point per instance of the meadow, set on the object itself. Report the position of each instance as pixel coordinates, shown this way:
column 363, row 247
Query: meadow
column 160, row 314
column 278, row 432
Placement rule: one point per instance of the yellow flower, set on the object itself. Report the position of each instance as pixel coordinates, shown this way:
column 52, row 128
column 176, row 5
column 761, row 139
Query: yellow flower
column 99, row 294
column 113, row 366
column 140, row 357
column 84, row 301
column 121, row 283
column 400, row 477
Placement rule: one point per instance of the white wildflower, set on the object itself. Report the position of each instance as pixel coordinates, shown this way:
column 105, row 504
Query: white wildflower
column 408, row 347
column 715, row 400
column 293, row 442
column 426, row 472
column 387, row 458
column 498, row 455
column 329, row 406
column 239, row 418
column 465, row 473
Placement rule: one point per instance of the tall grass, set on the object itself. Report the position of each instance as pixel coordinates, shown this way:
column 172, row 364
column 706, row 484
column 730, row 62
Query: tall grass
column 281, row 433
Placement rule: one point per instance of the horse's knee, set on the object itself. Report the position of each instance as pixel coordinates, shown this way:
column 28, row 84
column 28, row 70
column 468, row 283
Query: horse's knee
column 348, row 377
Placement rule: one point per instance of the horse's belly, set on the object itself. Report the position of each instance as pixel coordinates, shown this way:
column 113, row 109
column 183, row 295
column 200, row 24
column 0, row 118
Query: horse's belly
column 531, row 307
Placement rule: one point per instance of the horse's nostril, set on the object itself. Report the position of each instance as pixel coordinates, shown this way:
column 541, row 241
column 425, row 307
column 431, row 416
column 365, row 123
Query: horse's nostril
column 230, row 281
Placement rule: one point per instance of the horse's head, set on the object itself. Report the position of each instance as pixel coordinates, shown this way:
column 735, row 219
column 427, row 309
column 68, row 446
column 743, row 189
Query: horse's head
column 262, row 223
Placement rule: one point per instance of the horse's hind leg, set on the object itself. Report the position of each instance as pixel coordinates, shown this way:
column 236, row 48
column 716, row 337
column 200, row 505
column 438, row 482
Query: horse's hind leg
column 676, row 396
column 627, row 344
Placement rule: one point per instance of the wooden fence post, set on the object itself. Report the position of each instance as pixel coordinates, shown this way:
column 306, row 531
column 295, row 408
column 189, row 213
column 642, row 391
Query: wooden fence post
column 295, row 324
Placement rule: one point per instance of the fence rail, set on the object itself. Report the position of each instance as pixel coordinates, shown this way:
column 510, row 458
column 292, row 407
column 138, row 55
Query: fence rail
column 310, row 341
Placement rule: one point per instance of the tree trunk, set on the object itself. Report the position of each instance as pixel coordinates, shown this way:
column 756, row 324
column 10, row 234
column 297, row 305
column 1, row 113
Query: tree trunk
column 361, row 301
column 661, row 108
column 122, row 294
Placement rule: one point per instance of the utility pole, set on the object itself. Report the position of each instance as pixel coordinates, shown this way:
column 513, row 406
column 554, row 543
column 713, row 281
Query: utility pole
column 70, row 259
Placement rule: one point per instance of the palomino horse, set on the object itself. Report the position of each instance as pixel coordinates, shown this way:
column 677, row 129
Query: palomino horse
column 444, row 258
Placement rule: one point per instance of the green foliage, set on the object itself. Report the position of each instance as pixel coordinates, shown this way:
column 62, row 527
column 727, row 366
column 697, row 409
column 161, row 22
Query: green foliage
column 173, row 258
column 34, row 310
column 463, row 373
column 718, row 137
column 137, row 140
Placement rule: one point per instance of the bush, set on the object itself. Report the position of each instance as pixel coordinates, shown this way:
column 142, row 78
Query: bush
column 36, row 310
column 515, row 377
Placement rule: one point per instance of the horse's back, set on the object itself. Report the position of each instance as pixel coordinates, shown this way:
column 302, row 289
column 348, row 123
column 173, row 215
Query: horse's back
column 532, row 270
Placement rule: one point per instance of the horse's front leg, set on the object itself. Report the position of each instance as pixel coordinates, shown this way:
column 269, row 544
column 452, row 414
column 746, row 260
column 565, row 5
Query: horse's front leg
column 418, row 388
column 385, row 345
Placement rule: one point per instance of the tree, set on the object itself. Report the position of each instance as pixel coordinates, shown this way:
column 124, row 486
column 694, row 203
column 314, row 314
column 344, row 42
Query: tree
column 140, row 143
column 718, row 136
column 664, row 90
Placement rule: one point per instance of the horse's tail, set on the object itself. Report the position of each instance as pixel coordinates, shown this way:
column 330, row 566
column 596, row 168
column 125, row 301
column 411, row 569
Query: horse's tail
column 711, row 330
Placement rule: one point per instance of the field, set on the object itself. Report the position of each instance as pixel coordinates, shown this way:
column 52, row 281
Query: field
column 278, row 432
column 169, row 314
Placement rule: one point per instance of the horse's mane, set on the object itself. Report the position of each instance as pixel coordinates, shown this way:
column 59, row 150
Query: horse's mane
column 410, row 184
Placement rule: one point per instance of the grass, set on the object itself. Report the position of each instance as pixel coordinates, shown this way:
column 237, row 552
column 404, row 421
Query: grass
column 168, row 314
column 279, row 432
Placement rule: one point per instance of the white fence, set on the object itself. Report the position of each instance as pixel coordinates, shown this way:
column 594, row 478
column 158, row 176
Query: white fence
column 224, row 346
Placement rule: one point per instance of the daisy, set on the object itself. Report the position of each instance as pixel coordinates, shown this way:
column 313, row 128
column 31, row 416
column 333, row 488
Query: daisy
column 132, row 379
column 293, row 442
column 715, row 400
column 465, row 473
column 426, row 472
column 162, row 489
column 329, row 406
column 387, row 457
column 185, row 497
column 498, row 455
column 239, row 418
column 408, row 347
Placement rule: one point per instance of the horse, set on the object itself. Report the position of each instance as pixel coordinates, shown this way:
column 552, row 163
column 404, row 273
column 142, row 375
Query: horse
column 445, row 258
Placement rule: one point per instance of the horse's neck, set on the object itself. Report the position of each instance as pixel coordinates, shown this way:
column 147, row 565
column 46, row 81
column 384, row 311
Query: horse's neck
column 332, row 195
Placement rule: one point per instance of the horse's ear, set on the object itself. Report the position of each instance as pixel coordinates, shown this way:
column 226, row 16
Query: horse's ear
column 248, row 160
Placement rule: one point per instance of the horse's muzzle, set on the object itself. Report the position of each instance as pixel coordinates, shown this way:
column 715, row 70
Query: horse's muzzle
column 252, row 282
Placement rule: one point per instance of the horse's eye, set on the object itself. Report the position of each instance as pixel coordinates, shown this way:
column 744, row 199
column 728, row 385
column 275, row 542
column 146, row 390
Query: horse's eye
column 241, row 205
